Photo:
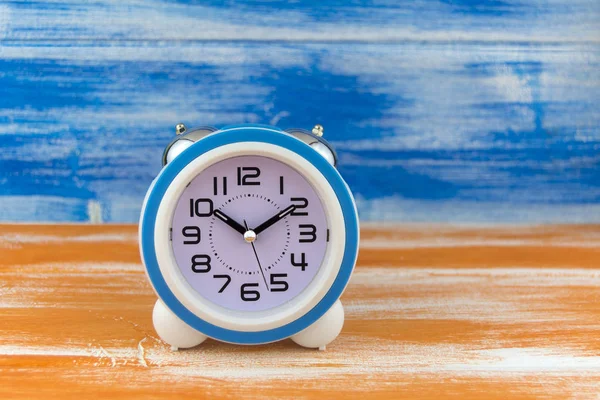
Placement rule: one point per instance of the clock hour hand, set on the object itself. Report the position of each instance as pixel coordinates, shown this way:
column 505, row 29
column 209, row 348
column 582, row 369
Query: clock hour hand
column 275, row 218
column 229, row 221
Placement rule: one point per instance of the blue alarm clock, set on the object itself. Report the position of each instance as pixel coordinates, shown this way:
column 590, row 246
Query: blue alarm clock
column 249, row 235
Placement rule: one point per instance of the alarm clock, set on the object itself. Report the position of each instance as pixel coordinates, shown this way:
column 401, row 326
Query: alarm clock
column 248, row 235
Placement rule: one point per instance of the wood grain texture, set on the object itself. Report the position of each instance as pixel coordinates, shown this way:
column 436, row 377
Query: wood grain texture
column 432, row 311
column 481, row 111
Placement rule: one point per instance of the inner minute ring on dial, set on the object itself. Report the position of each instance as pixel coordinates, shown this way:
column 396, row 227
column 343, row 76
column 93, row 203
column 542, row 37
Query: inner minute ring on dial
column 222, row 259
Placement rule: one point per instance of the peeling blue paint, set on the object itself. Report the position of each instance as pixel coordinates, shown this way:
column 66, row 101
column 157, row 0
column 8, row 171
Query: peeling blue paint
column 500, row 119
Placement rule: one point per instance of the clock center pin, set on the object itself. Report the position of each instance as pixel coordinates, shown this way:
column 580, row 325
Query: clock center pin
column 250, row 236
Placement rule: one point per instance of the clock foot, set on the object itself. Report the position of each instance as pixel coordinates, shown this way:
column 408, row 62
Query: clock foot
column 173, row 330
column 324, row 330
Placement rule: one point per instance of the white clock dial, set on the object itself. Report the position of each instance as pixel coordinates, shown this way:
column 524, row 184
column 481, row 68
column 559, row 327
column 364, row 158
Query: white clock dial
column 249, row 233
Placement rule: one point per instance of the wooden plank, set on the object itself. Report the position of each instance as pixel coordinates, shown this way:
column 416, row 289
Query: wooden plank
column 265, row 21
column 76, row 320
column 425, row 132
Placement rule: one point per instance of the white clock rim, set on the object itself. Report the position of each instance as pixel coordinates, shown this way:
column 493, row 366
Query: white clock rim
column 250, row 321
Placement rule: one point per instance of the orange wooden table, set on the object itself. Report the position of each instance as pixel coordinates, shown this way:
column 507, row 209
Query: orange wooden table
column 432, row 311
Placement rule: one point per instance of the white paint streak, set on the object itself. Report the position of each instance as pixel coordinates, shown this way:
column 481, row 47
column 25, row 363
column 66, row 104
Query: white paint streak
column 141, row 353
column 529, row 360
column 5, row 18
column 51, row 351
column 360, row 357
column 11, row 239
column 113, row 361
column 71, row 269
column 509, row 277
column 507, row 296
column 397, row 208
column 278, row 116
column 36, row 208
column 94, row 209
column 351, row 355
column 146, row 21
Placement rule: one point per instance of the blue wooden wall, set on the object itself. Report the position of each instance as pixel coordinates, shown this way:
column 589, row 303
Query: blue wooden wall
column 441, row 110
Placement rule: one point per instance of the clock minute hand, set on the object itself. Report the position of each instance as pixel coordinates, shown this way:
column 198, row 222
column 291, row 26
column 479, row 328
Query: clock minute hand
column 275, row 218
column 229, row 221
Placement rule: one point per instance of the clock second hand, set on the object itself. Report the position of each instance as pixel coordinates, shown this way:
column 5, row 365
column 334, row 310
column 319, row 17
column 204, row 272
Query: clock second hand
column 257, row 260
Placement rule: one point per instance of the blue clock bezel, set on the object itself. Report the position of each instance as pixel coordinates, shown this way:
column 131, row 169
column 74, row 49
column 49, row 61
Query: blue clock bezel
column 235, row 134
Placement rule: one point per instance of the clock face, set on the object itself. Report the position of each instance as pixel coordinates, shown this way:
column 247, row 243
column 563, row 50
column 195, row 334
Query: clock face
column 249, row 233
